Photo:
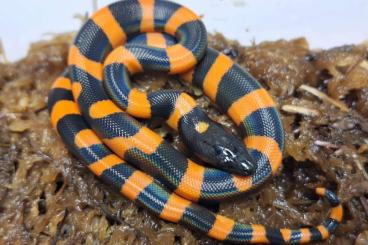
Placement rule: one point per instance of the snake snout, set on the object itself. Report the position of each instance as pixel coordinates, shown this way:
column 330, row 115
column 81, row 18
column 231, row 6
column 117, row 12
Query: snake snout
column 235, row 159
column 249, row 168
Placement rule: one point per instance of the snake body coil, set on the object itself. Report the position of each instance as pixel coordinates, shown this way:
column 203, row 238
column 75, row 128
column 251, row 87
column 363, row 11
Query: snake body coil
column 94, row 124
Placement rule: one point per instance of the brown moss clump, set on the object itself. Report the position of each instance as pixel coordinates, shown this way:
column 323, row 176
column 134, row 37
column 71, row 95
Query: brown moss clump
column 48, row 196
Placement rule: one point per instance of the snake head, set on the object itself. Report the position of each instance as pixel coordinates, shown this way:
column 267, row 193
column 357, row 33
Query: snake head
column 223, row 150
column 214, row 145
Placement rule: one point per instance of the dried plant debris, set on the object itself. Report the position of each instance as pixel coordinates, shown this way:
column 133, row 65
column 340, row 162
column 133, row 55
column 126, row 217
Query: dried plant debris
column 3, row 58
column 47, row 196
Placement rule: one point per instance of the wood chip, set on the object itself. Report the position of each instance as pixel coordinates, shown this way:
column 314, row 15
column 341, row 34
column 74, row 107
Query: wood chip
column 326, row 144
column 363, row 148
column 364, row 64
column 300, row 110
column 19, row 126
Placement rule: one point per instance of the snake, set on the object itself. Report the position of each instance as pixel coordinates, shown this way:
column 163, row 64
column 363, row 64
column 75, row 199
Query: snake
column 95, row 110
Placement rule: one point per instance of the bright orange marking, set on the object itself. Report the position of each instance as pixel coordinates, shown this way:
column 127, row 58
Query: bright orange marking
column 107, row 22
column 213, row 78
column 269, row 147
column 337, row 213
column 286, row 234
column 180, row 17
column 323, row 231
column 77, row 90
column 183, row 105
column 187, row 76
column 306, row 235
column 90, row 66
column 86, row 138
column 135, row 185
column 259, row 234
column 180, row 58
column 145, row 140
column 321, row 191
column 103, row 108
column 201, row 127
column 174, row 208
column 62, row 82
column 63, row 108
column 156, row 39
column 138, row 104
column 221, row 228
column 242, row 183
column 124, row 56
column 105, row 163
column 191, row 183
column 249, row 103
column 147, row 24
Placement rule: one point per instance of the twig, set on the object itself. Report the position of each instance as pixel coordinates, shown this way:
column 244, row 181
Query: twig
column 94, row 5
column 83, row 18
column 361, row 168
column 325, row 144
column 325, row 97
column 364, row 202
column 3, row 58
